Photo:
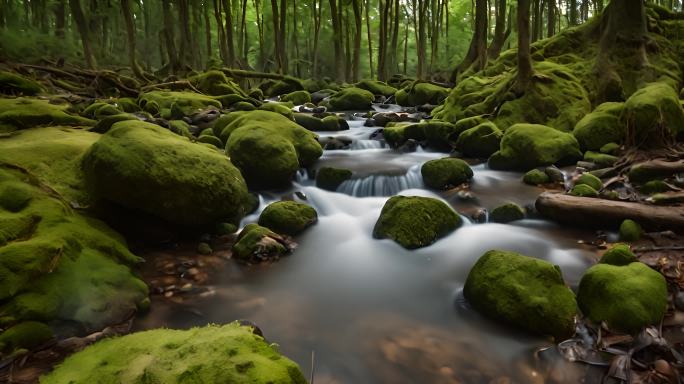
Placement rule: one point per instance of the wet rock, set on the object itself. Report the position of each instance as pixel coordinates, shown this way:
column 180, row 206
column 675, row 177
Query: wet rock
column 256, row 243
column 618, row 254
column 330, row 178
column 409, row 146
column 351, row 99
column 339, row 142
column 506, row 213
column 630, row 231
column 590, row 180
column 445, row 173
column 480, row 216
column 288, row 217
column 555, row 175
column 535, row 177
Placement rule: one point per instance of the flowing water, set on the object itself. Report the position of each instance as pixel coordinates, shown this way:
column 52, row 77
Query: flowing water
column 369, row 311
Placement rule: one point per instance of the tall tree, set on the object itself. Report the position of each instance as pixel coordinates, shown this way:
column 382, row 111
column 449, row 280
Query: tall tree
column 82, row 26
column 525, row 70
column 477, row 52
column 130, row 38
column 501, row 32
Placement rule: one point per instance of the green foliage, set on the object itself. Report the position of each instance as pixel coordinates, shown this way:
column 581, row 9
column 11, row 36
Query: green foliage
column 445, row 173
column 288, row 217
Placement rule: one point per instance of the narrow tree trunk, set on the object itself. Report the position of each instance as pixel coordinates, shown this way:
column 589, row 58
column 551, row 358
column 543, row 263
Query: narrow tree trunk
column 260, row 27
column 317, row 9
column 230, row 46
column 551, row 18
column 60, row 16
column 169, row 38
column 370, row 41
column 524, row 57
column 207, row 32
column 382, row 40
column 477, row 52
column 501, row 33
column 82, row 26
column 130, row 38
column 337, row 40
column 573, row 12
column 356, row 62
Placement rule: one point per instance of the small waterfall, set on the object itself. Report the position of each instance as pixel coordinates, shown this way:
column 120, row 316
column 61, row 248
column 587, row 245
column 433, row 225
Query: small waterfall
column 368, row 144
column 383, row 185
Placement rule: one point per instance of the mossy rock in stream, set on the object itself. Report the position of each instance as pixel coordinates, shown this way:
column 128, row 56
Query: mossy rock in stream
column 414, row 221
column 297, row 97
column 625, row 297
column 100, row 109
column 280, row 87
column 506, row 213
column 215, row 83
column 583, row 190
column 653, row 116
column 13, row 84
column 284, row 109
column 288, row 217
column 526, row 146
column 24, row 336
column 25, row 112
column 376, row 87
column 144, row 167
column 590, row 180
column 330, row 178
column 437, row 134
column 445, row 173
column 58, row 266
column 351, row 99
column 522, row 291
column 600, row 159
column 536, row 177
column 186, row 103
column 228, row 353
column 618, row 254
column 600, row 127
column 480, row 141
column 630, row 230
column 421, row 93
column 267, row 147
column 256, row 244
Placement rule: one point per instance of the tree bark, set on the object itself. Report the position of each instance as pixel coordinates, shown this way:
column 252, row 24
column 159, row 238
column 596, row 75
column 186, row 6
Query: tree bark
column 551, row 18
column 501, row 33
column 369, row 37
column 356, row 62
column 524, row 57
column 82, row 26
column 169, row 38
column 130, row 38
column 477, row 52
column 337, row 40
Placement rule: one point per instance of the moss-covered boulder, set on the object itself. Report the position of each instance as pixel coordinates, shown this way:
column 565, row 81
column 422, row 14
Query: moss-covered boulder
column 25, row 335
column 213, row 354
column 288, row 217
column 526, row 146
column 630, row 230
column 653, row 116
column 600, row 127
column 506, row 213
column 212, row 140
column 625, row 297
column 297, row 97
column 435, row 133
column 13, row 84
column 169, row 104
column 414, row 221
column 284, row 108
column 145, row 167
column 536, row 177
column 330, row 178
column 600, row 159
column 445, row 173
column 215, row 83
column 57, row 266
column 421, row 93
column 654, row 186
column 480, row 141
column 376, row 87
column 590, row 180
column 268, row 147
column 522, row 291
column 280, row 87
column 256, row 244
column 25, row 112
column 584, row 190
column 618, row 254
column 351, row 99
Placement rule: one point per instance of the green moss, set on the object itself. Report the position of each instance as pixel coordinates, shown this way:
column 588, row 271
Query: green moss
column 610, row 149
column 590, row 180
column 334, row 123
column 599, row 128
column 225, row 229
column 654, row 186
column 653, row 116
column 215, row 83
column 330, row 178
column 630, row 230
column 281, row 87
column 437, row 134
column 211, row 139
column 180, row 128
column 127, row 105
column 256, row 243
column 59, row 266
column 243, row 106
column 267, row 147
column 213, row 354
column 526, row 146
column 351, row 99
column 23, row 112
column 14, row 197
column 284, row 109
column 522, row 291
column 297, row 97
column 618, row 254
column 414, row 221
column 145, row 167
column 376, row 87
column 536, row 177
column 421, row 93
column 445, row 173
column 13, row 84
column 160, row 102
column 583, row 190
column 309, row 122
column 204, row 249
column 480, row 141
column 103, row 125
column 600, row 159
column 25, row 335
column 256, row 93
column 506, row 213
column 626, row 297
column 288, row 217
column 641, row 174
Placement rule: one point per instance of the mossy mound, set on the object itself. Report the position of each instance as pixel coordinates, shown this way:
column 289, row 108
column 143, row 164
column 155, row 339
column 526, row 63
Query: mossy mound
column 506, row 213
column 414, row 221
column 25, row 335
column 610, row 149
column 522, row 291
column 57, row 266
column 536, row 177
column 445, row 173
column 211, row 139
column 280, row 87
column 145, row 167
column 630, row 230
column 618, row 254
column 480, row 141
column 421, row 93
column 284, row 109
column 526, row 146
column 213, row 354
column 584, row 190
column 330, row 178
column 351, row 99
column 590, row 180
column 654, row 186
column 600, row 127
column 24, row 112
column 169, row 104
column 376, row 87
column 13, row 84
column 297, row 97
column 627, row 297
column 215, row 83
column 288, row 217
column 600, row 159
column 268, row 147
column 437, row 134
column 256, row 243
column 101, row 109
column 653, row 116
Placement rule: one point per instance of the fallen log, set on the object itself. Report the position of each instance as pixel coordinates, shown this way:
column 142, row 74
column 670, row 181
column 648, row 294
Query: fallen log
column 653, row 169
column 600, row 213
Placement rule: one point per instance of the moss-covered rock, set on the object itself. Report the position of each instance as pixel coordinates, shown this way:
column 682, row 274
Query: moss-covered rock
column 330, row 178
column 445, row 173
column 145, row 167
column 610, row 149
column 351, row 99
column 421, row 93
column 288, row 217
column 297, row 97
column 506, row 213
column 526, row 146
column 186, row 103
column 522, row 291
column 243, row 106
column 536, row 177
column 256, row 243
column 626, row 297
column 100, row 109
column 600, row 127
column 334, row 123
column 415, row 222
column 281, row 87
column 590, row 180
column 267, row 147
column 24, row 112
column 584, row 190
column 654, row 186
column 284, row 109
column 480, row 141
column 58, row 266
column 630, row 230
column 211, row 139
column 215, row 83
column 25, row 335
column 13, row 84
column 103, row 125
column 213, row 354
column 204, row 248
column 600, row 159
column 618, row 254
column 653, row 116
column 376, row 87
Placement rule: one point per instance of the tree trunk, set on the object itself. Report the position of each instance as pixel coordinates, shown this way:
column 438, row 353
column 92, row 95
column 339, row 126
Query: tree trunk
column 60, row 17
column 551, row 18
column 573, row 12
column 130, row 38
column 82, row 26
column 337, row 40
column 169, row 38
column 356, row 62
column 317, row 9
column 501, row 33
column 369, row 37
column 230, row 46
column 207, row 32
column 477, row 52
column 524, row 57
